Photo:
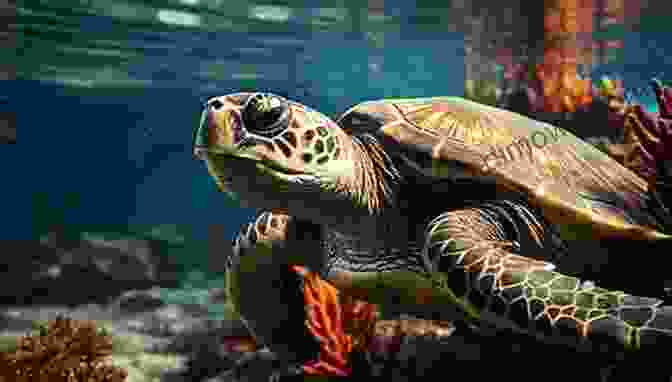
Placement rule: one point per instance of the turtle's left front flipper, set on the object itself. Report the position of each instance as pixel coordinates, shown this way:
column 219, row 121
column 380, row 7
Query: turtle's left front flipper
column 273, row 283
column 496, row 285
column 264, row 290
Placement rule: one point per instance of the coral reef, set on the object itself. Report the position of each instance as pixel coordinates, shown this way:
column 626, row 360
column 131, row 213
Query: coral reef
column 325, row 322
column 64, row 350
column 538, row 92
column 352, row 334
column 625, row 130
column 59, row 263
column 648, row 137
column 188, row 345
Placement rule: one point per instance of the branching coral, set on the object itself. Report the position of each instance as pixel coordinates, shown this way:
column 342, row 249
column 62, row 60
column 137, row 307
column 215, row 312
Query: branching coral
column 64, row 350
column 344, row 326
column 648, row 136
column 325, row 322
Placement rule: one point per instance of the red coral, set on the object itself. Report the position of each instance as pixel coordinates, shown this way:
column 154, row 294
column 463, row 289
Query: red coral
column 344, row 325
column 325, row 322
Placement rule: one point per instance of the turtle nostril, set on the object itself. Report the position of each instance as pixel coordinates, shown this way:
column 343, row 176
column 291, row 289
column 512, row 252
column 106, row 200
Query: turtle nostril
column 216, row 104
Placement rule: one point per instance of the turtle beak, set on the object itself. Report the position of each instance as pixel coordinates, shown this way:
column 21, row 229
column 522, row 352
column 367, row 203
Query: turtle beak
column 199, row 141
column 218, row 130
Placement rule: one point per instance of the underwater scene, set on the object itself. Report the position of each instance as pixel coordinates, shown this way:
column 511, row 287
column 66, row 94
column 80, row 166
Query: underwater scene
column 201, row 191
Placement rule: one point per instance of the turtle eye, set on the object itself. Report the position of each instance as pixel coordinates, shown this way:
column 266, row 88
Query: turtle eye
column 265, row 114
column 216, row 104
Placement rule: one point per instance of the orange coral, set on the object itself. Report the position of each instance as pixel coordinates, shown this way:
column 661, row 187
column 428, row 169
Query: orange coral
column 564, row 90
column 566, row 23
column 342, row 325
column 325, row 322
column 64, row 351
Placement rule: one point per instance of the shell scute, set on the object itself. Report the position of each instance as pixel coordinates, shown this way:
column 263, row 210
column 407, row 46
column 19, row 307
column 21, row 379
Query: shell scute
column 574, row 184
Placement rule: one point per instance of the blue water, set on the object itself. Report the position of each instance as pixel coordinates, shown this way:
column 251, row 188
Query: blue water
column 106, row 102
column 108, row 93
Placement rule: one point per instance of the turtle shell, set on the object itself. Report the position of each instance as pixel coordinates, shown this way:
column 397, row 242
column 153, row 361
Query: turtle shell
column 575, row 185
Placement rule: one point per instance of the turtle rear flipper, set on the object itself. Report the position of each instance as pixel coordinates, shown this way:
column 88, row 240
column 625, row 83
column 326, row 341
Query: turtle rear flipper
column 501, row 287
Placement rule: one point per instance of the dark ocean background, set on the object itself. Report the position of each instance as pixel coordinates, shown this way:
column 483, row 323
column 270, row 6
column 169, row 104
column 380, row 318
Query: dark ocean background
column 107, row 94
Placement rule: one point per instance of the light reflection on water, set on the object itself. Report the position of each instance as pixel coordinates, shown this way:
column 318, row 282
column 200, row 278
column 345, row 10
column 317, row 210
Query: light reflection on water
column 182, row 43
column 132, row 76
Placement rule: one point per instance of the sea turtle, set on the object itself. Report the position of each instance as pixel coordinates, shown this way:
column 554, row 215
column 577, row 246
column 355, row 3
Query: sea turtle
column 441, row 208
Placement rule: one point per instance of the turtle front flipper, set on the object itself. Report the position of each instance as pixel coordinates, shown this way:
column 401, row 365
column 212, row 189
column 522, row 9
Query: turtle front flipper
column 499, row 286
column 264, row 291
column 273, row 284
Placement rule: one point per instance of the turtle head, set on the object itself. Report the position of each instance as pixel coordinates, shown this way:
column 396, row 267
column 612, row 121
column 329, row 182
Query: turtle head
column 273, row 153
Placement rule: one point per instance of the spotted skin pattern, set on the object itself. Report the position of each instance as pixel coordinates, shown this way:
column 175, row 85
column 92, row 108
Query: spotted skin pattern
column 309, row 139
column 532, row 296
